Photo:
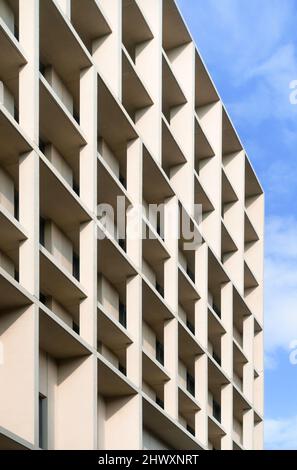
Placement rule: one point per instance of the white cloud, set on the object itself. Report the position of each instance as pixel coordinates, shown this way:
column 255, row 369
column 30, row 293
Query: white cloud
column 280, row 285
column 280, row 179
column 281, row 434
column 281, row 237
column 270, row 361
column 251, row 34
column 251, row 48
column 269, row 92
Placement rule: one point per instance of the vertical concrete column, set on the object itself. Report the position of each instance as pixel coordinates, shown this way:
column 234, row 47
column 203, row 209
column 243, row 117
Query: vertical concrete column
column 201, row 395
column 234, row 218
column 88, row 246
column 227, row 363
column 29, row 74
column 29, row 163
column 88, row 193
column 201, row 332
column 260, row 270
column 254, row 297
column 75, row 412
column 258, row 436
column 248, row 347
column 254, row 253
column 134, row 188
column 148, row 58
column 201, row 306
column 227, row 416
column 29, row 218
column 210, row 117
column 248, row 428
column 123, row 426
column 134, row 284
column 134, row 352
column 134, row 250
column 227, row 320
column 171, row 218
column 182, row 60
column 259, row 366
column 258, row 401
column 107, row 51
column 88, row 279
column 18, row 364
column 29, row 208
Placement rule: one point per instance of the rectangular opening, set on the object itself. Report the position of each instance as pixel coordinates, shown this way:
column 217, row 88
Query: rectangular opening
column 159, row 352
column 43, row 442
column 216, row 407
column 190, row 384
column 123, row 315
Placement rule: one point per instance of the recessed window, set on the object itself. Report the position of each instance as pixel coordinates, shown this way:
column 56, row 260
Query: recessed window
column 42, row 422
column 159, row 352
column 75, row 266
column 190, row 384
column 122, row 315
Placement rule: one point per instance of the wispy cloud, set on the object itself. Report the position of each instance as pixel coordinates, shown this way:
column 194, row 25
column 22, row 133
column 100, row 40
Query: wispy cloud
column 257, row 55
column 252, row 33
column 281, row 284
column 281, row 434
column 269, row 92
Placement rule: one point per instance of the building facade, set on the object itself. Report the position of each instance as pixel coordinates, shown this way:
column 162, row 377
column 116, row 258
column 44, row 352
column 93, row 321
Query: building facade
column 111, row 127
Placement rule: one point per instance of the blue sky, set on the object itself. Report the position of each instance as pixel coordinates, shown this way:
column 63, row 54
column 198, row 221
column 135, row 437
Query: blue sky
column 250, row 48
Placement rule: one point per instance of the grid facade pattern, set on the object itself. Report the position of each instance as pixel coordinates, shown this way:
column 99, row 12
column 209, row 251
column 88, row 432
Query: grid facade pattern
column 107, row 342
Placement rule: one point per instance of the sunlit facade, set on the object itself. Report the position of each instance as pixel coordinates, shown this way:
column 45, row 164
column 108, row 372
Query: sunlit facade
column 110, row 341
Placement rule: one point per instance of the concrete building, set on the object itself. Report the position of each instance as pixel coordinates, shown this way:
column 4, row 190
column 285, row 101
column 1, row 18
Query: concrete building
column 105, row 342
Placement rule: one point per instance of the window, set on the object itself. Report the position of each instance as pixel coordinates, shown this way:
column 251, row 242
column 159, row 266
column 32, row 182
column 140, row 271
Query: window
column 42, row 231
column 42, row 146
column 190, row 384
column 216, row 411
column 42, row 298
column 42, row 68
column 123, row 181
column 160, row 289
column 16, row 113
column 217, row 310
column 76, row 117
column 75, row 270
column 160, row 402
column 191, row 274
column 16, row 204
column 160, row 225
column 191, row 326
column 122, row 369
column 42, row 421
column 75, row 187
column 159, row 352
column 216, row 358
column 191, row 430
column 122, row 243
column 122, row 315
